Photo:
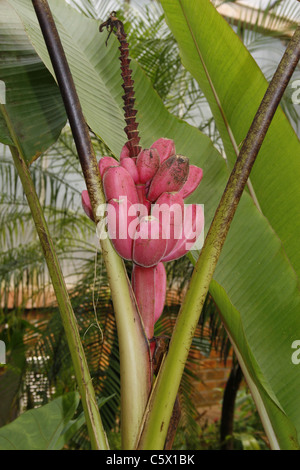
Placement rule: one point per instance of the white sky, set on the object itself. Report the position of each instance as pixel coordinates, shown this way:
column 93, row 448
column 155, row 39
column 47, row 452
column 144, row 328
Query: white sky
column 252, row 3
column 261, row 3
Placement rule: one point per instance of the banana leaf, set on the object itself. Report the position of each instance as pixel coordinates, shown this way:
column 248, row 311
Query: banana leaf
column 31, row 109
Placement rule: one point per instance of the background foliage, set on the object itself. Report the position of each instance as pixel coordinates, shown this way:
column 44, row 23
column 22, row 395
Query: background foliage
column 39, row 363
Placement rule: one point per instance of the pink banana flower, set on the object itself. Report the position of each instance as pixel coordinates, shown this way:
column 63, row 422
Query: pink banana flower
column 147, row 220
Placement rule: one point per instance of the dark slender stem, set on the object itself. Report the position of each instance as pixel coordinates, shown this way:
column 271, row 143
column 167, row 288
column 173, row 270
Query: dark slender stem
column 228, row 407
column 91, row 174
column 71, row 101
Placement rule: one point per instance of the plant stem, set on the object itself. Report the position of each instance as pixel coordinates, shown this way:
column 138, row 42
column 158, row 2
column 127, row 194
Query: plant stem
column 167, row 384
column 82, row 374
column 133, row 344
column 228, row 407
column 257, row 397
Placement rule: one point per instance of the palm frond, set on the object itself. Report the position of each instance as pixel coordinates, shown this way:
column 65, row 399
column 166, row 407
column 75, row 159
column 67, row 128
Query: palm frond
column 98, row 9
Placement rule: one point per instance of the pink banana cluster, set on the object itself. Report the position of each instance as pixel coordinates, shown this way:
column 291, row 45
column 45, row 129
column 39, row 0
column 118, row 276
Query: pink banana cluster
column 146, row 217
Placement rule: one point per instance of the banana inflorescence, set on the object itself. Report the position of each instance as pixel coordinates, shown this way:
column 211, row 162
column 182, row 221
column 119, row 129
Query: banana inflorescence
column 147, row 220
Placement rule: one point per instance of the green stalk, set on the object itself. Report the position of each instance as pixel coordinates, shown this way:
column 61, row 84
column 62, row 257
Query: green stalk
column 162, row 400
column 133, row 348
column 81, row 370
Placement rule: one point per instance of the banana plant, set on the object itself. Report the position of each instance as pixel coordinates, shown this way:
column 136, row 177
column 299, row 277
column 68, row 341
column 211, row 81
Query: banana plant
column 254, row 283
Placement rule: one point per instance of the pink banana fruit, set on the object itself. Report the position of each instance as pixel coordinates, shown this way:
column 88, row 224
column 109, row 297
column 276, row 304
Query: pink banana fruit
column 143, row 284
column 130, row 165
column 86, row 204
column 150, row 243
column 171, row 176
column 120, row 214
column 165, row 148
column 160, row 290
column 169, row 210
column 192, row 228
column 194, row 178
column 141, row 190
column 117, row 183
column 106, row 162
column 149, row 286
column 147, row 164
column 125, row 152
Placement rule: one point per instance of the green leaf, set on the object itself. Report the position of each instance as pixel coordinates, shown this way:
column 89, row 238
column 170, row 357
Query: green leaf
column 257, row 266
column 32, row 113
column 248, row 442
column 234, row 87
column 270, row 410
column 40, row 428
column 255, row 275
column 260, row 285
column 74, row 425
